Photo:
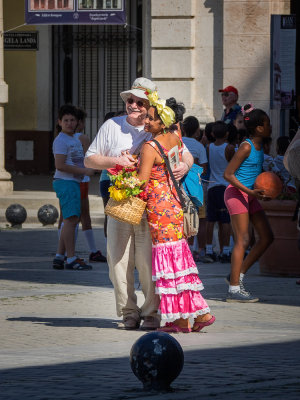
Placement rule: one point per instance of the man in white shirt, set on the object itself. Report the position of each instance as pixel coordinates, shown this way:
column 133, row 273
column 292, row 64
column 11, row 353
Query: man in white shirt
column 129, row 246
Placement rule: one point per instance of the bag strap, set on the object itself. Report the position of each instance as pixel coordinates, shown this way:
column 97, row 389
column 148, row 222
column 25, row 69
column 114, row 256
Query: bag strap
column 178, row 190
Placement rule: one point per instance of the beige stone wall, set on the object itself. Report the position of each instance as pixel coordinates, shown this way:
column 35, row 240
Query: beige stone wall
column 172, row 42
column 247, row 47
column 200, row 46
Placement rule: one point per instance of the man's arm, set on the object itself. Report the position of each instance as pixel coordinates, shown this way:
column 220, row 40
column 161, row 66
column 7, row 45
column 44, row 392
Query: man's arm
column 97, row 161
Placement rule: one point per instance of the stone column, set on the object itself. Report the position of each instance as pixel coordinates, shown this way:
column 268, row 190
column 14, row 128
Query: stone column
column 182, row 46
column 6, row 185
column 173, row 42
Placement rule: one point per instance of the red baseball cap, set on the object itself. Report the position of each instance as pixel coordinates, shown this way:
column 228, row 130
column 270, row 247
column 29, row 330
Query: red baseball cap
column 230, row 89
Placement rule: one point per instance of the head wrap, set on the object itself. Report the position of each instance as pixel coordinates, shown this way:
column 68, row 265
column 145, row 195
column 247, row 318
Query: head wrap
column 166, row 114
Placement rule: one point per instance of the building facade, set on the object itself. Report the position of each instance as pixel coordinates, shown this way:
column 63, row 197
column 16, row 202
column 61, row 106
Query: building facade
column 190, row 48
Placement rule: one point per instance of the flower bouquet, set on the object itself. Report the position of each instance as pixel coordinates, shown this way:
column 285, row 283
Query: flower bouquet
column 126, row 202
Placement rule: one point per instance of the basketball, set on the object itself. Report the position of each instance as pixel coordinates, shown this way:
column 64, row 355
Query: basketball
column 270, row 183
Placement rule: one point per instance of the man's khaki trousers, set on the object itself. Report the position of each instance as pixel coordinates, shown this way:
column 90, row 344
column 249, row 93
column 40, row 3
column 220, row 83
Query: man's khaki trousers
column 130, row 246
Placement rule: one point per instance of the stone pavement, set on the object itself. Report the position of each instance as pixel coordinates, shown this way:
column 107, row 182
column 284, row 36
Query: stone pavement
column 60, row 337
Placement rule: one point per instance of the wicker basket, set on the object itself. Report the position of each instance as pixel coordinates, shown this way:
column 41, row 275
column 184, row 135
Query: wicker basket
column 129, row 210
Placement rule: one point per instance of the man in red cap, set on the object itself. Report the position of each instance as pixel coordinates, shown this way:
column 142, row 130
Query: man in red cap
column 230, row 97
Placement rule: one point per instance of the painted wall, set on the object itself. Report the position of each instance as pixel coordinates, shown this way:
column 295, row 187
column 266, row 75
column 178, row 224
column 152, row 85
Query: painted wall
column 200, row 46
column 20, row 74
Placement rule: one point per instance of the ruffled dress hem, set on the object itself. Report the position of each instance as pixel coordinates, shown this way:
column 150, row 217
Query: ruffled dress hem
column 195, row 314
column 177, row 282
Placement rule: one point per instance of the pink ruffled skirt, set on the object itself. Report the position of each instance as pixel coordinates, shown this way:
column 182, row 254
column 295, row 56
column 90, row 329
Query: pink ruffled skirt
column 177, row 282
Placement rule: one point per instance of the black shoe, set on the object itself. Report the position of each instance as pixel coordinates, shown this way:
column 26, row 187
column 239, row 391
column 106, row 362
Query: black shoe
column 78, row 265
column 97, row 257
column 225, row 258
column 209, row 258
column 58, row 263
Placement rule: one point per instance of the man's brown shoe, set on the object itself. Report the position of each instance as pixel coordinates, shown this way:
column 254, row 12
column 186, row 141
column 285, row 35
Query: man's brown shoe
column 150, row 324
column 131, row 323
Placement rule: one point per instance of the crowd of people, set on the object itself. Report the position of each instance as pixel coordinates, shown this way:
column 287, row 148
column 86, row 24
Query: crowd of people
column 231, row 154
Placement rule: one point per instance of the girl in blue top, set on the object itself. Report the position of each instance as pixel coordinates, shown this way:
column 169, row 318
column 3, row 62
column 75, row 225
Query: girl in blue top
column 241, row 199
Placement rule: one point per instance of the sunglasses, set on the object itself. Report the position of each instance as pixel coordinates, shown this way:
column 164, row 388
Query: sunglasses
column 139, row 103
column 225, row 94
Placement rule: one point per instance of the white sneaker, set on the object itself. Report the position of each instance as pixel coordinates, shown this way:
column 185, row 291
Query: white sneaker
column 241, row 297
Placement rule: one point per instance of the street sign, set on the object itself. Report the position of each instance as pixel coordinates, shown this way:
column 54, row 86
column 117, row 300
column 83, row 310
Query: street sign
column 21, row 41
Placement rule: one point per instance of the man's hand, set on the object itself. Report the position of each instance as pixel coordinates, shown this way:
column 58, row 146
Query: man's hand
column 126, row 159
column 180, row 171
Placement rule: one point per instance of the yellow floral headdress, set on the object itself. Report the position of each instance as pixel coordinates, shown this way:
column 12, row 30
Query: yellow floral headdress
column 165, row 113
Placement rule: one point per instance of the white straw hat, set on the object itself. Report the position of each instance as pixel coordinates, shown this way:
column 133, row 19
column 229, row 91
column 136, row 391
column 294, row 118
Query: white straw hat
column 138, row 89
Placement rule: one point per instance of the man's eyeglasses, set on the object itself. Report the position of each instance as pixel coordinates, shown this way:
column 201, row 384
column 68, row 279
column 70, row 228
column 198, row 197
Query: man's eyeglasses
column 225, row 94
column 139, row 103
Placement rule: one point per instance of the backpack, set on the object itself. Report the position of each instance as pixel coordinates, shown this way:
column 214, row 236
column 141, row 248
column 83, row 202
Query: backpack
column 192, row 185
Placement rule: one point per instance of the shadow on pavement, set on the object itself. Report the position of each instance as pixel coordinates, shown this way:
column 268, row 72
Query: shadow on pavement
column 71, row 322
column 260, row 372
column 47, row 275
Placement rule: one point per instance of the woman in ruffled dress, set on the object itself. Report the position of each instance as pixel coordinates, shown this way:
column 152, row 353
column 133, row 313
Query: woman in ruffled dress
column 173, row 268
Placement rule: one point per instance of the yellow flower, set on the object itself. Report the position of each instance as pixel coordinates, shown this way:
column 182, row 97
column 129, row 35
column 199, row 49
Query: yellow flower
column 117, row 194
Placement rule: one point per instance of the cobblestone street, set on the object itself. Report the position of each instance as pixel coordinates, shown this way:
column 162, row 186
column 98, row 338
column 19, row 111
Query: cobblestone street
column 60, row 337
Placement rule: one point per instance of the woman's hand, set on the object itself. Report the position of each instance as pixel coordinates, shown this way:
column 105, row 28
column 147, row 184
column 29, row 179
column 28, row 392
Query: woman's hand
column 259, row 194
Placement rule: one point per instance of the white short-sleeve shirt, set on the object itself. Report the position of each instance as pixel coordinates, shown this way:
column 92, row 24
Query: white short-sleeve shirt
column 72, row 149
column 117, row 135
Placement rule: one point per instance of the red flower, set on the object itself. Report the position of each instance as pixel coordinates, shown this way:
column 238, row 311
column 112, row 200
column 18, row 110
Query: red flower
column 116, row 170
column 143, row 195
column 130, row 169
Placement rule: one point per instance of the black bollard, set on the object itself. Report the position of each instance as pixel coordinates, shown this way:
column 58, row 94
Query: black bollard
column 47, row 214
column 156, row 359
column 16, row 215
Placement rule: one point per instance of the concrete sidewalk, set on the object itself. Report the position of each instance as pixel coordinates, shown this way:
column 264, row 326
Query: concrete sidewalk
column 60, row 337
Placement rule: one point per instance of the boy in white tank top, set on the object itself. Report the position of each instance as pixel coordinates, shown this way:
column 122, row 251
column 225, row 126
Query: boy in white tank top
column 219, row 154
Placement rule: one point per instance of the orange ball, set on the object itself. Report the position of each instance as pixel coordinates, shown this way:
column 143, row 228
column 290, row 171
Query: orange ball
column 270, row 183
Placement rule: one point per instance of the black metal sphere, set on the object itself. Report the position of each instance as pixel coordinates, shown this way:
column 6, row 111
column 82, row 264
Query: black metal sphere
column 156, row 359
column 15, row 214
column 47, row 214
